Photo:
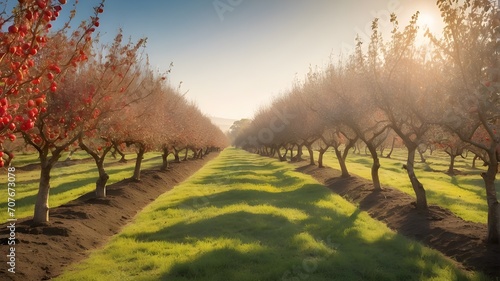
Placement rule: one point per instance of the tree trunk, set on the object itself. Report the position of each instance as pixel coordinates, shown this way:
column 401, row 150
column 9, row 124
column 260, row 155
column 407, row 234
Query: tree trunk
column 138, row 162
column 41, row 214
column 418, row 188
column 474, row 161
column 100, row 185
column 278, row 150
column 343, row 167
column 176, row 156
column 117, row 150
column 451, row 168
column 186, row 156
column 113, row 154
column 392, row 148
column 299, row 153
column 70, row 155
column 283, row 157
column 491, row 197
column 291, row 153
column 422, row 158
column 311, row 154
column 348, row 146
column 164, row 157
column 375, row 167
column 41, row 210
column 320, row 157
column 123, row 159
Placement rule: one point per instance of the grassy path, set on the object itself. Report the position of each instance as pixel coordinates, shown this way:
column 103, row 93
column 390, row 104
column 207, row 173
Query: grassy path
column 245, row 217
column 462, row 194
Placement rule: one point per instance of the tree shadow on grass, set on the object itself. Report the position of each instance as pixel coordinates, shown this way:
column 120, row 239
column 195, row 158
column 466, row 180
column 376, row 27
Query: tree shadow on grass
column 476, row 185
column 302, row 197
column 222, row 180
column 453, row 200
column 245, row 226
column 251, row 166
column 365, row 161
column 62, row 188
column 67, row 186
column 340, row 248
column 228, row 264
column 276, row 178
column 475, row 181
column 281, row 254
column 66, row 171
column 398, row 169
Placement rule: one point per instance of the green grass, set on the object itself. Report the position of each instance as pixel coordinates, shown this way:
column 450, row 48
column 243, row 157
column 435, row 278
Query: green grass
column 67, row 182
column 245, row 217
column 462, row 194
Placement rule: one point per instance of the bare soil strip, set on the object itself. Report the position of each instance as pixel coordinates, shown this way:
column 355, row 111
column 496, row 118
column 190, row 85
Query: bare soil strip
column 437, row 228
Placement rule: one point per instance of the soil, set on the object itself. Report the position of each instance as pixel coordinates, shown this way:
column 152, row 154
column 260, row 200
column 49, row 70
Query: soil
column 85, row 224
column 438, row 228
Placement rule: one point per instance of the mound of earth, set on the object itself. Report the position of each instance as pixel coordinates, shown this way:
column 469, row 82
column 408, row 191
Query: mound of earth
column 438, row 228
column 85, row 224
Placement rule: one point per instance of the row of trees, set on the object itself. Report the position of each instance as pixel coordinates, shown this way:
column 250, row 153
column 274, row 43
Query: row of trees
column 61, row 90
column 445, row 94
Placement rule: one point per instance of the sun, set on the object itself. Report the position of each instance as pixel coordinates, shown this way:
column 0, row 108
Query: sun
column 426, row 20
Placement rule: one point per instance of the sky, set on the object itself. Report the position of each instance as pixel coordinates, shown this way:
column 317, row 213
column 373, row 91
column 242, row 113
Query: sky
column 234, row 56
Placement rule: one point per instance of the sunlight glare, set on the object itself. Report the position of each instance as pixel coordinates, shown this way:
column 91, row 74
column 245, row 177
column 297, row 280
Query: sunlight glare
column 426, row 20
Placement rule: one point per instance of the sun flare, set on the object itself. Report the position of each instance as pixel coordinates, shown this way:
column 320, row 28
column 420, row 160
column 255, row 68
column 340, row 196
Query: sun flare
column 426, row 20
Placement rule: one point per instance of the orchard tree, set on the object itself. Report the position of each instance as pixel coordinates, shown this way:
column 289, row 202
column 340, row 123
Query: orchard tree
column 44, row 112
column 355, row 109
column 26, row 33
column 392, row 141
column 180, row 126
column 306, row 125
column 398, row 77
column 276, row 127
column 105, row 80
column 469, row 50
column 255, row 135
column 336, row 137
column 323, row 102
column 450, row 143
column 171, row 118
column 137, row 123
column 238, row 126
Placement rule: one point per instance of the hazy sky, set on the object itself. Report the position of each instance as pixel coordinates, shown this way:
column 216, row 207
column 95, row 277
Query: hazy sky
column 234, row 58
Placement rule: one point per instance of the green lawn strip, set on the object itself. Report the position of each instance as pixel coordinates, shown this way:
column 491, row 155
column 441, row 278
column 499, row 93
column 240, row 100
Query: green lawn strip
column 67, row 182
column 245, row 217
column 462, row 194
